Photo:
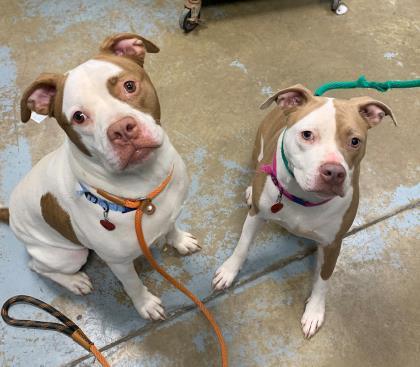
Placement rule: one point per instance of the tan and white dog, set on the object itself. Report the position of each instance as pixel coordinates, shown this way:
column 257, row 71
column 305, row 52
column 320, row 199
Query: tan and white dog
column 110, row 113
column 307, row 157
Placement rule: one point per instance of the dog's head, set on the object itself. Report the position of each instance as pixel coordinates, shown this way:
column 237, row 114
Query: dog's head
column 325, row 139
column 107, row 106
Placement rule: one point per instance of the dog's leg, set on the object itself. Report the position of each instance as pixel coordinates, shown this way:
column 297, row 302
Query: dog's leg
column 225, row 275
column 184, row 242
column 313, row 316
column 67, row 274
column 146, row 304
column 248, row 196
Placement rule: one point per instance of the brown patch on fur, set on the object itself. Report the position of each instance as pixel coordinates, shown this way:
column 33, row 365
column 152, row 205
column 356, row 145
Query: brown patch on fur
column 269, row 131
column 57, row 217
column 55, row 108
column 350, row 124
column 145, row 99
column 107, row 46
column 4, row 215
column 332, row 251
column 72, row 134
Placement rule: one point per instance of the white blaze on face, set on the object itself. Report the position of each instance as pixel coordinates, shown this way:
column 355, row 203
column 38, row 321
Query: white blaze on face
column 307, row 157
column 86, row 90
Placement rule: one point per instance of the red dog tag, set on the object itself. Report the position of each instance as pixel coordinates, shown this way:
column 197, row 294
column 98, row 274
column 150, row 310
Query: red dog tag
column 276, row 207
column 107, row 224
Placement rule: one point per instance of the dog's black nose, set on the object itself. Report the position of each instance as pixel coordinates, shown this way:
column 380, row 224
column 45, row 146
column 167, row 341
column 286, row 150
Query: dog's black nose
column 333, row 173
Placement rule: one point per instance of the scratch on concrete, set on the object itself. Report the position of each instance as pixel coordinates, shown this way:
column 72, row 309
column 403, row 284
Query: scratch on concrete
column 239, row 65
column 390, row 55
column 266, row 90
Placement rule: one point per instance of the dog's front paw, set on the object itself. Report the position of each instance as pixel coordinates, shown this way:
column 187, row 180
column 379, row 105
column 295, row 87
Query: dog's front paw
column 225, row 275
column 313, row 317
column 185, row 243
column 78, row 283
column 150, row 307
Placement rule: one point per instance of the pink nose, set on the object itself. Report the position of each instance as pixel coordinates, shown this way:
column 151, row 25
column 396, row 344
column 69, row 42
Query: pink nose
column 333, row 173
column 123, row 130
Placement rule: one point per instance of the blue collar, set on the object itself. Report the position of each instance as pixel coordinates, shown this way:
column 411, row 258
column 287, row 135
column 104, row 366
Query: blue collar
column 105, row 204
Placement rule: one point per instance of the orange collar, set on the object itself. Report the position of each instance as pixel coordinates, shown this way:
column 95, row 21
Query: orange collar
column 145, row 203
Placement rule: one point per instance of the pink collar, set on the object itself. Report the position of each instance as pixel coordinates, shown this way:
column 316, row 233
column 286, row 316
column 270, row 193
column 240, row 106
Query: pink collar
column 272, row 171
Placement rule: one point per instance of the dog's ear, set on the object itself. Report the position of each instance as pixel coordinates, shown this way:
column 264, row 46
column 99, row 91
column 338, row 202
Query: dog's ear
column 40, row 96
column 296, row 95
column 128, row 45
column 373, row 111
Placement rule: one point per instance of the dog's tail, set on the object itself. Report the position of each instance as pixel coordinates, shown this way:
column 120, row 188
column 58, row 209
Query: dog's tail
column 4, row 215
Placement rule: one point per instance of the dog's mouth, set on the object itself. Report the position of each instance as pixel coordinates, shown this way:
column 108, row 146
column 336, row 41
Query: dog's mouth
column 140, row 154
column 330, row 192
column 132, row 155
column 320, row 188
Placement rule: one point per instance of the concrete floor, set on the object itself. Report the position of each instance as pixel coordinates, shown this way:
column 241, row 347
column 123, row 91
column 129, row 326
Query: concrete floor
column 210, row 84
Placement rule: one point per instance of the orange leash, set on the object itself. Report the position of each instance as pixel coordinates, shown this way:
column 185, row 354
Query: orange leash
column 146, row 206
column 99, row 357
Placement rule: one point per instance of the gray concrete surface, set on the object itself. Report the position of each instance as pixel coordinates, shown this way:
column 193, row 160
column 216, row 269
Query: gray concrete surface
column 210, row 84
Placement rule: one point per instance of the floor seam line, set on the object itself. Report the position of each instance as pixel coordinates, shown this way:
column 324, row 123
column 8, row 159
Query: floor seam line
column 184, row 310
column 382, row 218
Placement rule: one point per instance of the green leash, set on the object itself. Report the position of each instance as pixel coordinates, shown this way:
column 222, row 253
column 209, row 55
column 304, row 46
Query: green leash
column 363, row 83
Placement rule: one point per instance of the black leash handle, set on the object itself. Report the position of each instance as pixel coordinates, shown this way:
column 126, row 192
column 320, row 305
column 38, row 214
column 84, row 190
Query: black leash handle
column 67, row 327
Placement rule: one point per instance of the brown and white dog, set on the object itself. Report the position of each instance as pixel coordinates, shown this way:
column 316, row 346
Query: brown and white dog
column 110, row 113
column 312, row 190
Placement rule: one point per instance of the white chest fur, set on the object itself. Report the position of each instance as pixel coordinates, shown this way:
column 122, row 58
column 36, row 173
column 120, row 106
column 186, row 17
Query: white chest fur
column 122, row 241
column 319, row 223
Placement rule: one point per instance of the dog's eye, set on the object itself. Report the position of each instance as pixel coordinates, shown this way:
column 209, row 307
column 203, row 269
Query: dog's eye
column 355, row 142
column 307, row 135
column 130, row 86
column 79, row 117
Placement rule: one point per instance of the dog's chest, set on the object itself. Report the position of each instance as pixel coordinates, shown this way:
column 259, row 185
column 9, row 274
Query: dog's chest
column 121, row 243
column 320, row 223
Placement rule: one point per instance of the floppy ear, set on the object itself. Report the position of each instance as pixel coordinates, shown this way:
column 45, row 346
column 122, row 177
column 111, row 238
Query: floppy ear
column 296, row 95
column 40, row 96
column 128, row 45
column 373, row 111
